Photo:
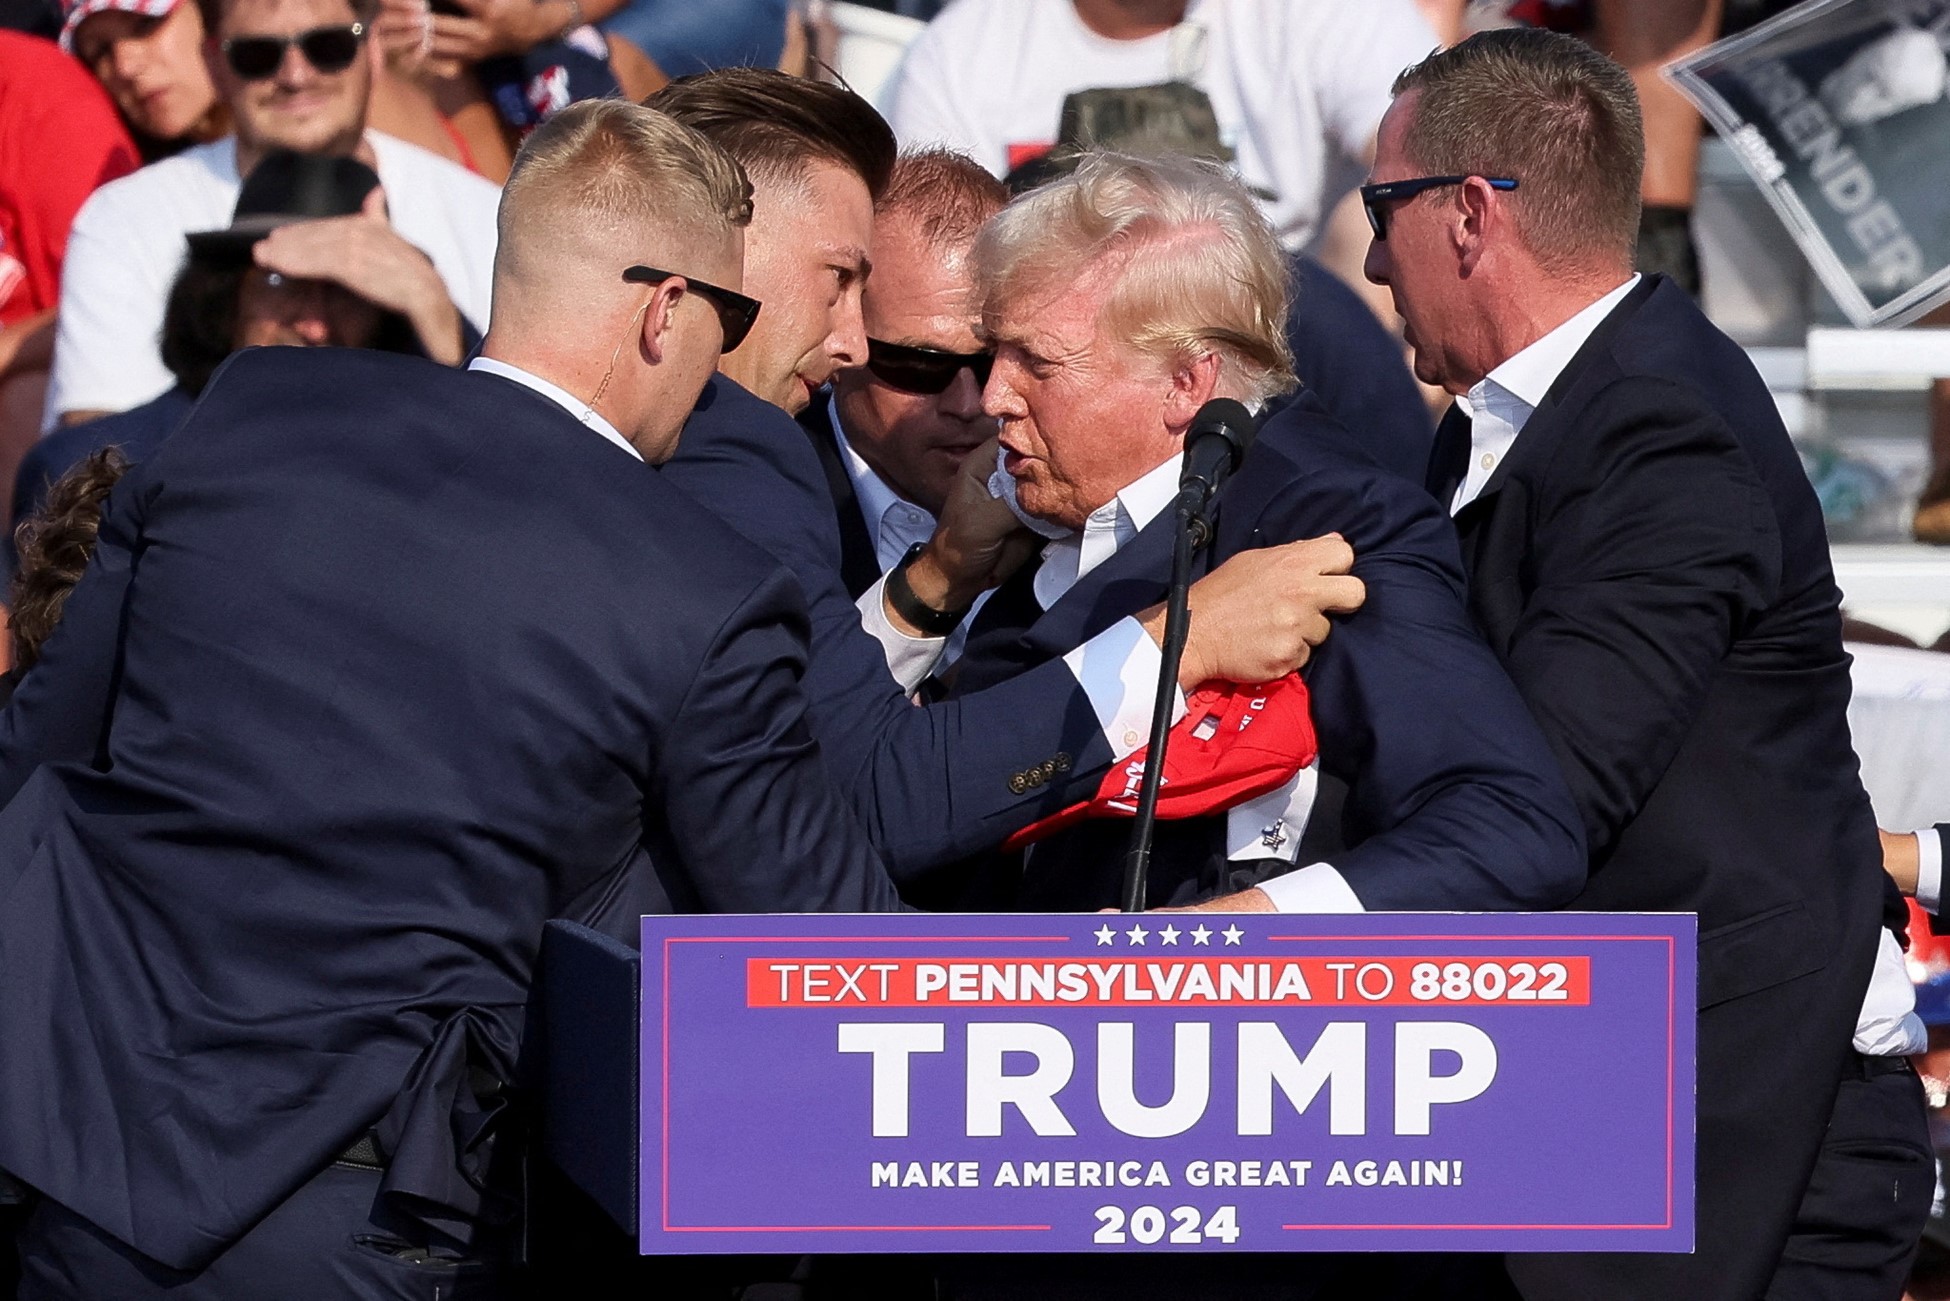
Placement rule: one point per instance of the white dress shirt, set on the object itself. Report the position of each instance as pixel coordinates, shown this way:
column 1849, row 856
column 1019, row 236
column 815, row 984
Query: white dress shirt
column 1929, row 869
column 1499, row 407
column 561, row 397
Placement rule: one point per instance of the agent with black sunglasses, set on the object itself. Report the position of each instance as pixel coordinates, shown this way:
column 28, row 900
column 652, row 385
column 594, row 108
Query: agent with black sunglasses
column 413, row 659
column 893, row 433
column 295, row 75
column 1648, row 560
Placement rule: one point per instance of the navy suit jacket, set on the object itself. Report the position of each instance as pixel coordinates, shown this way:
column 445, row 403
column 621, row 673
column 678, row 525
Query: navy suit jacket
column 380, row 666
column 1452, row 799
column 932, row 784
column 1355, row 366
column 1650, row 563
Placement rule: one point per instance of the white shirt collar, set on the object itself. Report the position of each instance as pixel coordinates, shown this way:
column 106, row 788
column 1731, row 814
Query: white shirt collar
column 568, row 401
column 1110, row 527
column 893, row 522
column 1502, row 402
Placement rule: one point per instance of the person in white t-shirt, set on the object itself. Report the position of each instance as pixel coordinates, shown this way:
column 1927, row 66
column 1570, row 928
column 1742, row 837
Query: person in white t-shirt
column 295, row 75
column 1298, row 86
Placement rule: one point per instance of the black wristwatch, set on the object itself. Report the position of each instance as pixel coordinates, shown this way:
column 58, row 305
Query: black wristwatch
column 932, row 622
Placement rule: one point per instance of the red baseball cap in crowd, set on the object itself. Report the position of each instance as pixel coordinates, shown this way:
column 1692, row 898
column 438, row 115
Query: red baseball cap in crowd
column 79, row 11
column 1233, row 744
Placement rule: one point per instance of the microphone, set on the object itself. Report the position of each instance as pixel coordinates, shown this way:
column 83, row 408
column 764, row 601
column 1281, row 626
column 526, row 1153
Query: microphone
column 1215, row 444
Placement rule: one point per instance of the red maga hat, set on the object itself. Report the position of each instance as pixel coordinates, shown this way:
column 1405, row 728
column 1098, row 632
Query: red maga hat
column 1233, row 744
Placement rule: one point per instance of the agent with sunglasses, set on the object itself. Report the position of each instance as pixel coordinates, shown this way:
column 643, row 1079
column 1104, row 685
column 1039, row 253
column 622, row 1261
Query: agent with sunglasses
column 892, row 434
column 294, row 74
column 1648, row 559
column 413, row 659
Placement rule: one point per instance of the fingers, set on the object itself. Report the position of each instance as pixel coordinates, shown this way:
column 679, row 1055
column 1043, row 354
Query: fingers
column 462, row 40
column 374, row 205
column 1340, row 595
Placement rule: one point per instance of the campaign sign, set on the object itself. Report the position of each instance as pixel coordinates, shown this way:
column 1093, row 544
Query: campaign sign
column 1840, row 110
column 1168, row 1082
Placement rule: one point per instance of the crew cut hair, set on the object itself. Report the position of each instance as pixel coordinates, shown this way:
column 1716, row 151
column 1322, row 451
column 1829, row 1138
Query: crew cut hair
column 1197, row 269
column 606, row 168
column 947, row 194
column 776, row 124
column 1552, row 113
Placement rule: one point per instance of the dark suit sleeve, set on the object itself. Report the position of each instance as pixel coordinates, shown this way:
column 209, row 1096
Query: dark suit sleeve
column 60, row 710
column 1660, row 545
column 1454, row 801
column 745, row 796
column 931, row 785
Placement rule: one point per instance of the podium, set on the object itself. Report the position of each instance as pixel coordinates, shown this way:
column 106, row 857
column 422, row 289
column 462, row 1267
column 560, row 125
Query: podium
column 1127, row 1083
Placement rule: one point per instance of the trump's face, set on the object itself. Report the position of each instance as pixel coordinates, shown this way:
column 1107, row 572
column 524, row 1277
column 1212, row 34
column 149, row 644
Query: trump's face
column 1083, row 414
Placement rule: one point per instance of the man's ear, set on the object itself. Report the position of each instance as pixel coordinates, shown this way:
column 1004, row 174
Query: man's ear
column 1193, row 382
column 660, row 318
column 1480, row 214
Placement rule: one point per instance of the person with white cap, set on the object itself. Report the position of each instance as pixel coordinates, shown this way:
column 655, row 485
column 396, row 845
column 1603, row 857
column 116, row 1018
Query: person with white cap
column 148, row 55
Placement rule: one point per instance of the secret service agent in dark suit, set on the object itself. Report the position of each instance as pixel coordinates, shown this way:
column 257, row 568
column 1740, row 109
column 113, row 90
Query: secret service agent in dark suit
column 1437, row 790
column 383, row 700
column 372, row 726
column 1648, row 560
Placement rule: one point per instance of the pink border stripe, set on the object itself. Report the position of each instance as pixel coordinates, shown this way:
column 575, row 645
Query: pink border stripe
column 1450, row 1228
column 856, row 1228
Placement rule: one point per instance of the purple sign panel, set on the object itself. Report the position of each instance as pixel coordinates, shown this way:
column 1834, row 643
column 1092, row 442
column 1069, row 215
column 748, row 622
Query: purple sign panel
column 1168, row 1082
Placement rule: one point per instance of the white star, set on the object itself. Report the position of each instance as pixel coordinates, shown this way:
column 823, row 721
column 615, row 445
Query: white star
column 1232, row 934
column 1169, row 935
column 1137, row 934
column 1201, row 935
column 1103, row 934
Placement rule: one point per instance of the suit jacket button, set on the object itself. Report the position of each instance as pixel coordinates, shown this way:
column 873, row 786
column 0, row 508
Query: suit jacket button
column 1062, row 762
column 1019, row 783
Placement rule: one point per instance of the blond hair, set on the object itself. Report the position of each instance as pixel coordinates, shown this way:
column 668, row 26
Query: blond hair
column 1197, row 269
column 605, row 178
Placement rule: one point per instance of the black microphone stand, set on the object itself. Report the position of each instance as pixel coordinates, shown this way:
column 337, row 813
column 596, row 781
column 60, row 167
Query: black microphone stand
column 1192, row 533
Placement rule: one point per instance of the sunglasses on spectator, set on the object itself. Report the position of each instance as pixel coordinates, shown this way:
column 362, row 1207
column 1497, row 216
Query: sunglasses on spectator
column 924, row 370
column 328, row 49
column 735, row 311
column 1375, row 197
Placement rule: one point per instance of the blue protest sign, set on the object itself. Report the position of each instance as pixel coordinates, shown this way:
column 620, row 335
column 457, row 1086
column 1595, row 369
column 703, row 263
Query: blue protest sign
column 1167, row 1082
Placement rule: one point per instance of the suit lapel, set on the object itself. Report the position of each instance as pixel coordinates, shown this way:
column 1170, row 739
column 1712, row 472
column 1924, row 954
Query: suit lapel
column 1540, row 429
column 1014, row 633
column 859, row 558
column 1449, row 459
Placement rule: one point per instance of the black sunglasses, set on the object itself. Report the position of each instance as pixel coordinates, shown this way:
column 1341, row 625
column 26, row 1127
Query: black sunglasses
column 328, row 49
column 1373, row 197
column 735, row 311
column 924, row 370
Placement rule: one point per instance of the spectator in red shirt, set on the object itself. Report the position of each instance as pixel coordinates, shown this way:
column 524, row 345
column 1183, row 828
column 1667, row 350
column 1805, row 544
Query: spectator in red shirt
column 59, row 139
column 148, row 55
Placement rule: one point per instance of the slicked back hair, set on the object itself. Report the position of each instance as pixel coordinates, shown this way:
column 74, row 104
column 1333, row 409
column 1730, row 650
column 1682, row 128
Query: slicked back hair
column 776, row 124
column 1553, row 113
column 948, row 195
